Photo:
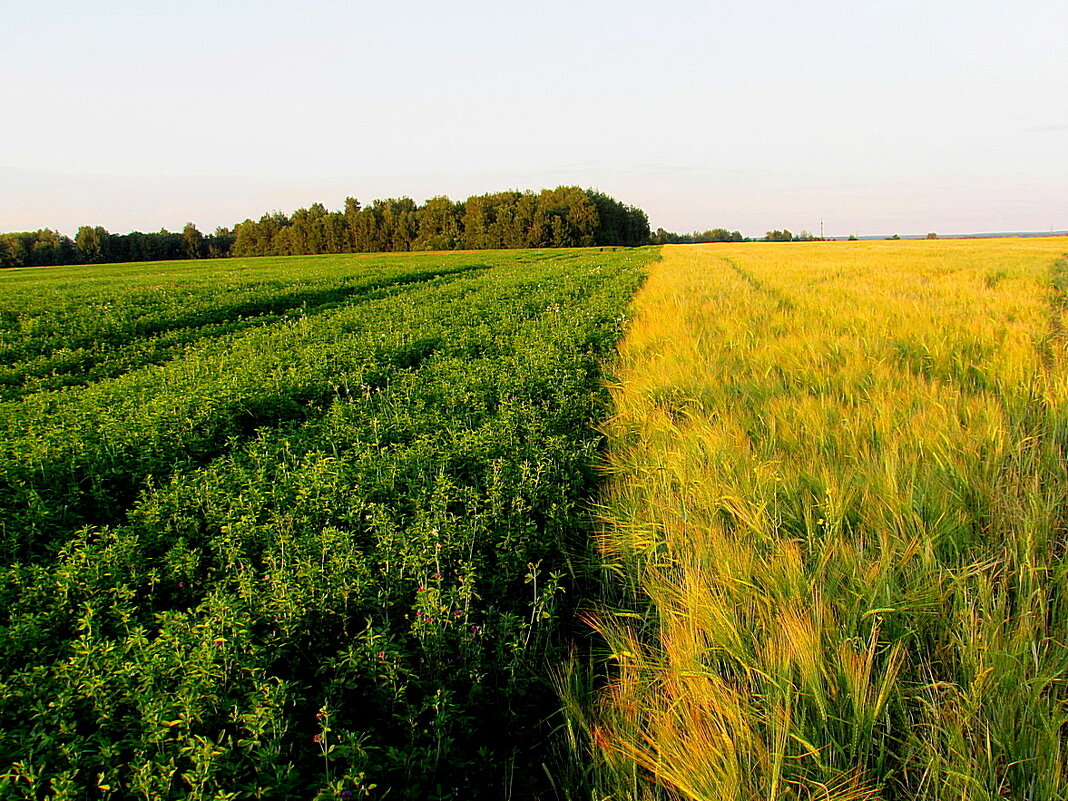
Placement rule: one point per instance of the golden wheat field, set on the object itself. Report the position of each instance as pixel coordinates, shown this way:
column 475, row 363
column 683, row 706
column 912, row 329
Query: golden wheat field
column 836, row 525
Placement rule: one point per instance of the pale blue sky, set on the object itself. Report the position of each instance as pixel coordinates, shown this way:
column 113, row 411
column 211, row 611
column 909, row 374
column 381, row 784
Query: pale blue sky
column 908, row 117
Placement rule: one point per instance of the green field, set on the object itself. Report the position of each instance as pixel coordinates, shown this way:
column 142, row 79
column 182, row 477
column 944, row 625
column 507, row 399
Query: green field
column 295, row 527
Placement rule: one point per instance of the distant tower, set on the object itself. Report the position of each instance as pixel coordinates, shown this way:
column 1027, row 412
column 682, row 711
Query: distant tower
column 821, row 229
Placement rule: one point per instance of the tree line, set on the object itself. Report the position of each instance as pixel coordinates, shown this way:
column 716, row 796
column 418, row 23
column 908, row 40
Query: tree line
column 662, row 237
column 563, row 217
column 786, row 236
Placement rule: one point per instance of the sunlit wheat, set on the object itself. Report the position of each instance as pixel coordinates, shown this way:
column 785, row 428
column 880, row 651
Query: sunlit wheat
column 836, row 522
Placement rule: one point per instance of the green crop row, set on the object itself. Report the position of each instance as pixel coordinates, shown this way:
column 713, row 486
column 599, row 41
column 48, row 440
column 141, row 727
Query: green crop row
column 325, row 555
column 67, row 328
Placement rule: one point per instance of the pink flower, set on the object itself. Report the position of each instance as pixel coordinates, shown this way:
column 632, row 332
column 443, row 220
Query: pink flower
column 437, row 575
column 318, row 738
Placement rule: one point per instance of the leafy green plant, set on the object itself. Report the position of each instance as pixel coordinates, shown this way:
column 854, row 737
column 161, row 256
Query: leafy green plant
column 322, row 555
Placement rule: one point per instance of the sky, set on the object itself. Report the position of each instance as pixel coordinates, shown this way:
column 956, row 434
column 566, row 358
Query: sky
column 897, row 116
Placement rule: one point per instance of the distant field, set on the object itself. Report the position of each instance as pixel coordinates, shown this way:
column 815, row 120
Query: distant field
column 838, row 519
column 294, row 527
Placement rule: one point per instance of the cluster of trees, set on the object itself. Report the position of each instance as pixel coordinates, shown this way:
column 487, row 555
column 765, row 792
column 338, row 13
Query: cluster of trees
column 95, row 245
column 662, row 237
column 786, row 236
column 563, row 217
column 36, row 247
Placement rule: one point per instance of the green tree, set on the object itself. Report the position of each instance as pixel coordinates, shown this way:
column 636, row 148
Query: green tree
column 192, row 242
column 352, row 224
column 220, row 244
column 478, row 216
column 402, row 222
column 91, row 244
column 12, row 251
column 438, row 224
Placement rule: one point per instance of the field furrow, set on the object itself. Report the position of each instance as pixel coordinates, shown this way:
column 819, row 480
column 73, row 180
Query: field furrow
column 93, row 333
